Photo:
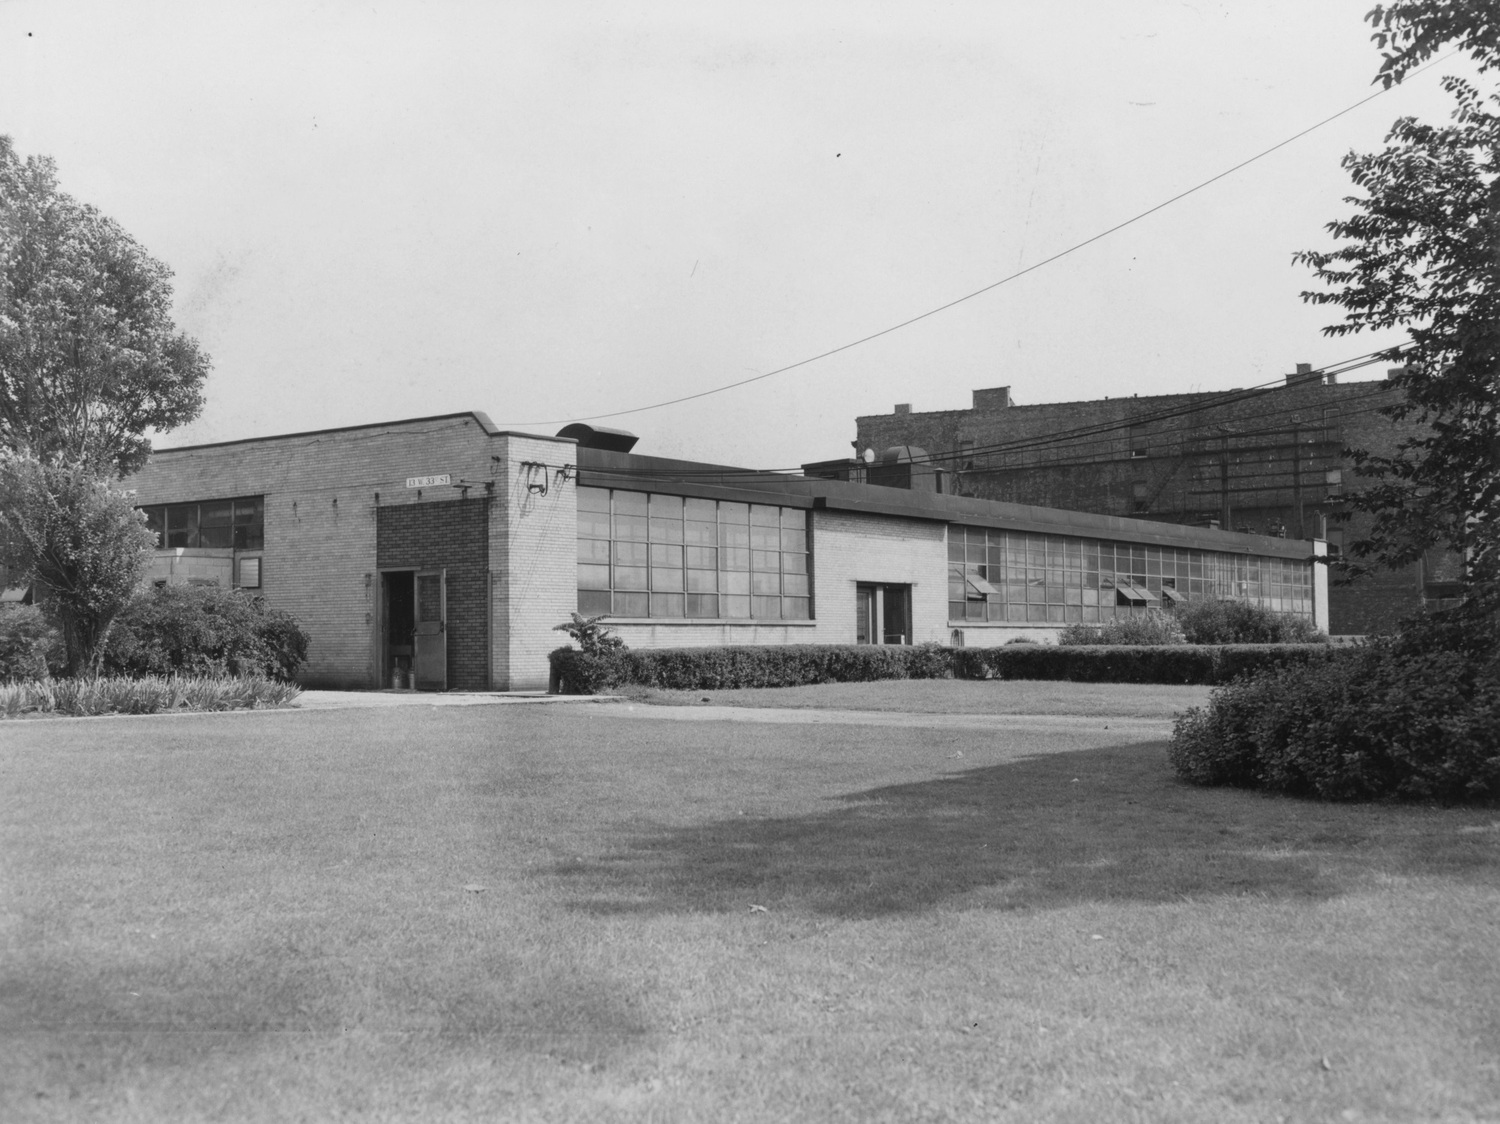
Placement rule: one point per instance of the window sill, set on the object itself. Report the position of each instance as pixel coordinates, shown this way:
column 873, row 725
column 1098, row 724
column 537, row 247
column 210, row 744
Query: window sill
column 611, row 622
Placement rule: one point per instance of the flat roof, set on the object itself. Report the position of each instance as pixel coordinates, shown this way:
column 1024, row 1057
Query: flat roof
column 478, row 416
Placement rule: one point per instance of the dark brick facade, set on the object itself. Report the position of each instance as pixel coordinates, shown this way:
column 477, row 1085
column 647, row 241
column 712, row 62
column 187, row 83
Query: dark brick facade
column 451, row 535
column 1268, row 461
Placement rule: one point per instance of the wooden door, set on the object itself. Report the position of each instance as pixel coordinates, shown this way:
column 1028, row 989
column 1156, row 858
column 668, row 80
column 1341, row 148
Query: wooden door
column 432, row 630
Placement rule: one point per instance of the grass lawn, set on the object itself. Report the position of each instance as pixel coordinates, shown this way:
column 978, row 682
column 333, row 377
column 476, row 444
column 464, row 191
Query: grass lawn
column 550, row 913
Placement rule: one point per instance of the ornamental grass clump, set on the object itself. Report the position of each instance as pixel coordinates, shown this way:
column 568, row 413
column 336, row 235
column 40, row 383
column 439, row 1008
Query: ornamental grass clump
column 151, row 694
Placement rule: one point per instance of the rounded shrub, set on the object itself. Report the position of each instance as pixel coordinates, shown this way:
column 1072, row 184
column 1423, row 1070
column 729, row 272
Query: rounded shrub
column 1243, row 622
column 30, row 648
column 204, row 630
column 1395, row 719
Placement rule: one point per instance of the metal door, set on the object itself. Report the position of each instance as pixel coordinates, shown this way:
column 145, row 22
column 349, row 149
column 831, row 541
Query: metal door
column 432, row 630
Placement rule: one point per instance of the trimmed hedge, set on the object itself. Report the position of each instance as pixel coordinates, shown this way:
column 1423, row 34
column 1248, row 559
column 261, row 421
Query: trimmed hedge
column 793, row 665
column 1133, row 663
column 722, row 668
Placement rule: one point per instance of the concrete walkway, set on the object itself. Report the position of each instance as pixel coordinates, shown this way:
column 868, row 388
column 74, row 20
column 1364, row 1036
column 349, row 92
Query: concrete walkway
column 1145, row 728
column 1148, row 728
column 348, row 700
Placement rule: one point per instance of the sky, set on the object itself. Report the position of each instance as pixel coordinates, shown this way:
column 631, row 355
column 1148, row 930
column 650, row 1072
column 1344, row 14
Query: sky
column 556, row 210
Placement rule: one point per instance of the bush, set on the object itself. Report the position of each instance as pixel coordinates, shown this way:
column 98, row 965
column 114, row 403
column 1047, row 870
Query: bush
column 30, row 648
column 730, row 667
column 722, row 668
column 1153, row 628
column 1392, row 719
column 592, row 637
column 1243, row 622
column 149, row 695
column 204, row 631
column 1166, row 663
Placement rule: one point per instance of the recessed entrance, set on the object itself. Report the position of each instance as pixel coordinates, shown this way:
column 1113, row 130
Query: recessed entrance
column 882, row 614
column 415, row 636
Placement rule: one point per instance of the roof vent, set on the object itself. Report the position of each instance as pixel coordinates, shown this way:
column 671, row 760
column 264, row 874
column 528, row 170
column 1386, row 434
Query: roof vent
column 599, row 437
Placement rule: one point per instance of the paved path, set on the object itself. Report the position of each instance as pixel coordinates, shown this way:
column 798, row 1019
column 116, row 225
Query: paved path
column 811, row 716
column 346, row 700
column 1148, row 728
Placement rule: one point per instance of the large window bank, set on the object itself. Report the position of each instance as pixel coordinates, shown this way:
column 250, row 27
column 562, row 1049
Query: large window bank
column 996, row 575
column 647, row 555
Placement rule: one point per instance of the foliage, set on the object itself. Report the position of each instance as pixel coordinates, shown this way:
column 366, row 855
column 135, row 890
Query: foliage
column 149, row 695
column 726, row 668
column 794, row 665
column 592, row 637
column 1229, row 621
column 1152, row 628
column 89, row 357
column 1101, row 663
column 1418, row 254
column 29, row 645
column 82, row 544
column 204, row 631
column 1393, row 719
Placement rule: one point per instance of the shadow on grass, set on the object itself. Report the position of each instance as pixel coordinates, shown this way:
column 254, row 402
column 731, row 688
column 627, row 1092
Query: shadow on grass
column 1094, row 825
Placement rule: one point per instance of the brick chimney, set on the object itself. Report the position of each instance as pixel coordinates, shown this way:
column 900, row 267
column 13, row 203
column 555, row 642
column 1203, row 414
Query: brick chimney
column 996, row 398
column 903, row 407
column 1303, row 376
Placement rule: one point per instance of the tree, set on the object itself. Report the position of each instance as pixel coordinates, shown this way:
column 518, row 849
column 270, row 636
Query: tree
column 1422, row 253
column 83, row 544
column 89, row 357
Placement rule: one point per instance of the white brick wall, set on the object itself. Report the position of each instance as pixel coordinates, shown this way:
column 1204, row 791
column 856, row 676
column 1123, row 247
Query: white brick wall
column 321, row 491
column 533, row 557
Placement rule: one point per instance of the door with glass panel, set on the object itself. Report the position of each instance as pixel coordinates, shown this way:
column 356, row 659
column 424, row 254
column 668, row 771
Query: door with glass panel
column 431, row 639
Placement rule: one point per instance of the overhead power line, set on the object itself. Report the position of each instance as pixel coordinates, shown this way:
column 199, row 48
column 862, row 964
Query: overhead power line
column 994, row 284
column 1075, row 438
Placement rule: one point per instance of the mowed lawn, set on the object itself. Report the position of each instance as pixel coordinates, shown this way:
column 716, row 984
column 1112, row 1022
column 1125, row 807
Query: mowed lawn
column 594, row 912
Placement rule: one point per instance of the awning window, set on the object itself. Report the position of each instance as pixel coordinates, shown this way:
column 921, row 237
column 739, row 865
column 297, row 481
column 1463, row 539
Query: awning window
column 978, row 586
column 1172, row 595
column 1128, row 593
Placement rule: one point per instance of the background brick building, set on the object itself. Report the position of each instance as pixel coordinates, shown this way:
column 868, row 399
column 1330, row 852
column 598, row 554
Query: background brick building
column 1268, row 461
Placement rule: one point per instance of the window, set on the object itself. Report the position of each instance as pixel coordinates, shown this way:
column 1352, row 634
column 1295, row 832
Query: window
column 1140, row 499
column 996, row 575
column 1139, row 447
column 1334, row 480
column 221, row 524
column 247, row 575
column 647, row 555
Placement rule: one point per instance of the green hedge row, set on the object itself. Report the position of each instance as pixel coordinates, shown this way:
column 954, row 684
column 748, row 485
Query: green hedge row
column 793, row 665
column 721, row 668
column 1105, row 663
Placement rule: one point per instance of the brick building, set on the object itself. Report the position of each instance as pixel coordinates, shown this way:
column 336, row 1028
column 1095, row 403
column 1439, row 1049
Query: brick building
column 1267, row 461
column 447, row 548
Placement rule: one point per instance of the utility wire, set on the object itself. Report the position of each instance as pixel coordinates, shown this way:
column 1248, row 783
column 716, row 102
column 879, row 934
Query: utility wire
column 994, row 284
column 1213, row 400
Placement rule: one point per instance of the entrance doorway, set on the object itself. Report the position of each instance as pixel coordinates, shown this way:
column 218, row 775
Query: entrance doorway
column 882, row 614
column 415, row 636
